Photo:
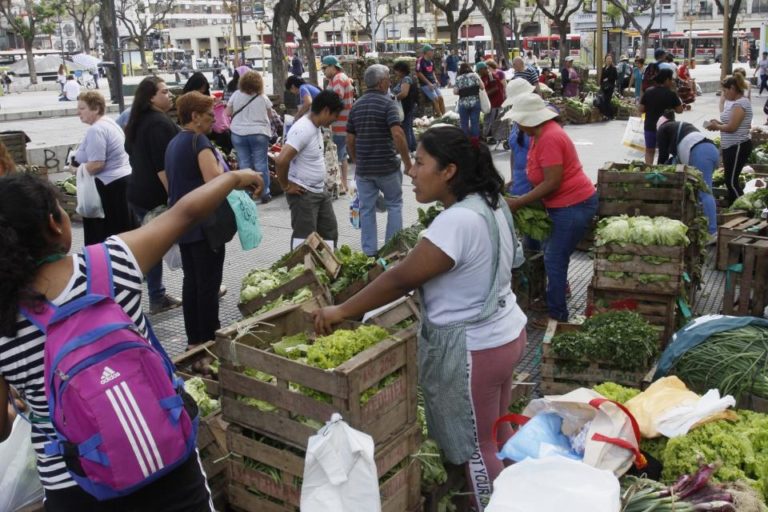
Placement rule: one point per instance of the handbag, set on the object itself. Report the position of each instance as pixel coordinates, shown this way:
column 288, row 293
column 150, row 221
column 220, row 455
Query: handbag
column 485, row 102
column 246, row 219
column 220, row 227
column 400, row 111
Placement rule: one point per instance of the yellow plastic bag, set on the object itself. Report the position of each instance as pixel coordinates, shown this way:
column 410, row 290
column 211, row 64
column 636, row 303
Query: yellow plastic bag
column 663, row 395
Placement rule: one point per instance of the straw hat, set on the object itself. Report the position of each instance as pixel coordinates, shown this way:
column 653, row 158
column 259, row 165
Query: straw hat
column 530, row 110
column 515, row 88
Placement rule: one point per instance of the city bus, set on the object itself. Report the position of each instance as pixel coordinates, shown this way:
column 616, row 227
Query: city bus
column 706, row 44
column 542, row 45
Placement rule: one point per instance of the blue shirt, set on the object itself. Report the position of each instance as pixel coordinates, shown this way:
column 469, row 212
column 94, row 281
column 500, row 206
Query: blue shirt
column 370, row 121
column 452, row 63
column 519, row 143
column 184, row 173
column 308, row 89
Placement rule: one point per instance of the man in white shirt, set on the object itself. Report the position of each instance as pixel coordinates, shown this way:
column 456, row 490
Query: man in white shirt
column 71, row 90
column 301, row 171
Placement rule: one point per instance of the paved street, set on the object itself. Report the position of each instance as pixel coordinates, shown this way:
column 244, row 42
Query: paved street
column 596, row 144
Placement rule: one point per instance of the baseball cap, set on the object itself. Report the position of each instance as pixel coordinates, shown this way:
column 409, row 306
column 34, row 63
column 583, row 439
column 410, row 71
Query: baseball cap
column 569, row 58
column 659, row 53
column 480, row 65
column 330, row 60
column 427, row 48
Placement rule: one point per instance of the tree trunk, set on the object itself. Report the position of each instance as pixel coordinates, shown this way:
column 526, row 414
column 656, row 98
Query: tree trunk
column 309, row 52
column 499, row 40
column 454, row 38
column 141, row 43
column 282, row 14
column 86, row 40
column 109, row 39
column 563, row 53
column 30, row 61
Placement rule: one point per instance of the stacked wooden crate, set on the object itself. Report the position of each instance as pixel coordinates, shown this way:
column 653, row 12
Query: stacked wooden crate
column 270, row 422
column 746, row 286
column 211, row 437
column 16, row 144
column 734, row 228
column 623, row 191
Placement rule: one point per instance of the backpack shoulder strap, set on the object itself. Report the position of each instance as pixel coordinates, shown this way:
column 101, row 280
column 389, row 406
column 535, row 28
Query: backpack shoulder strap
column 99, row 270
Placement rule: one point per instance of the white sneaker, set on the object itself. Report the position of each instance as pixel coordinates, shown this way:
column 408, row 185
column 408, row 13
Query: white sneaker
column 712, row 239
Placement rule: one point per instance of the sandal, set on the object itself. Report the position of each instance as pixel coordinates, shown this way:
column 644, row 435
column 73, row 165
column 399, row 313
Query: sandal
column 540, row 322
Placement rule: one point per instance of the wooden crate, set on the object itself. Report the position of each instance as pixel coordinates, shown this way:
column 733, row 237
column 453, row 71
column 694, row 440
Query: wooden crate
column 559, row 375
column 576, row 116
column 637, row 193
column 724, row 216
column 399, row 315
column 734, row 228
column 69, row 203
column 746, row 287
column 321, row 253
column 529, row 282
column 660, row 310
column 382, row 264
column 758, row 137
column 637, row 266
column 253, row 490
column 185, row 362
column 306, row 278
column 16, row 144
column 212, row 447
column 246, row 344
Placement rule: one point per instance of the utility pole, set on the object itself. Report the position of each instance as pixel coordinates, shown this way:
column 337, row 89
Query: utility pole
column 416, row 26
column 598, row 41
column 240, row 16
column 374, row 24
column 725, row 60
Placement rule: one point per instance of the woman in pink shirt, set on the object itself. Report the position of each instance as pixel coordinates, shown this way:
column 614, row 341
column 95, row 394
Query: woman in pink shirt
column 559, row 182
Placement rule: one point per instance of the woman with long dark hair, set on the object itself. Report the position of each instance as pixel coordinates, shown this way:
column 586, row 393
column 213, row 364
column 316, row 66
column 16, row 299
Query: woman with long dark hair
column 470, row 342
column 36, row 267
column 147, row 135
column 608, row 77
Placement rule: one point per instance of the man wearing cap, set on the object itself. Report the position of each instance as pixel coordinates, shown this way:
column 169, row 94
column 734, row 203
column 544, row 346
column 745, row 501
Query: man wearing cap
column 374, row 138
column 494, row 83
column 528, row 73
column 341, row 84
column 624, row 72
column 425, row 72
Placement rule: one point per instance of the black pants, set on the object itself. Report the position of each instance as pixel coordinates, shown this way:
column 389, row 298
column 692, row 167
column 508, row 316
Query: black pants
column 203, row 272
column 118, row 217
column 763, row 83
column 605, row 104
column 182, row 490
column 312, row 212
column 734, row 159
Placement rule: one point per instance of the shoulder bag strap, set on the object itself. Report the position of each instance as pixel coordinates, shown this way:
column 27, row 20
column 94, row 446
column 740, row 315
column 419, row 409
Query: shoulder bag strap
column 677, row 137
column 243, row 107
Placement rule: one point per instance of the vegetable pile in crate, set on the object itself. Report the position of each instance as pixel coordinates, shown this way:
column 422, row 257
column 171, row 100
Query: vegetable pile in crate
column 68, row 196
column 578, row 112
column 280, row 383
column 298, row 277
column 357, row 271
column 640, row 254
column 278, row 378
column 617, row 346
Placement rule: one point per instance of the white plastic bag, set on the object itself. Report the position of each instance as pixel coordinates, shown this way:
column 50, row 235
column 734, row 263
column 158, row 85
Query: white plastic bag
column 679, row 420
column 173, row 257
column 339, row 471
column 485, row 101
column 88, row 199
column 19, row 483
column 548, row 484
column 634, row 134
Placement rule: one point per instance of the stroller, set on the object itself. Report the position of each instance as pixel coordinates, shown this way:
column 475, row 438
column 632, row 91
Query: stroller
column 83, row 80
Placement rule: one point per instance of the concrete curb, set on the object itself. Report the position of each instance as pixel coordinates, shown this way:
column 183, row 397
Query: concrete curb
column 49, row 113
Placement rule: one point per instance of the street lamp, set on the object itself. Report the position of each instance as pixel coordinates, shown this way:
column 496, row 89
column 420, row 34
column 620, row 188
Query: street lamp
column 343, row 28
column 240, row 16
column 333, row 32
column 225, row 32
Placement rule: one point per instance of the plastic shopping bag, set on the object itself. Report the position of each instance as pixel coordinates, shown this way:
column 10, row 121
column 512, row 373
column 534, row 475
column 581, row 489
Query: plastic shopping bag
column 88, row 198
column 485, row 101
column 548, row 484
column 247, row 219
column 540, row 436
column 173, row 257
column 634, row 134
column 339, row 471
column 19, row 483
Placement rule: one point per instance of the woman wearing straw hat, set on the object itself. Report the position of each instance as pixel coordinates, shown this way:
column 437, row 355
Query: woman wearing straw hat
column 558, row 181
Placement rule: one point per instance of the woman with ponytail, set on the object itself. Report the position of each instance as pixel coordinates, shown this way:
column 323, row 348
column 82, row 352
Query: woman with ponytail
column 472, row 331
column 35, row 266
column 559, row 182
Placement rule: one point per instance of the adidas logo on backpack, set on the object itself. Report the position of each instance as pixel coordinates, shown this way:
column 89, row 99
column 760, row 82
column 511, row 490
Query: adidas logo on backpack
column 108, row 375
column 136, row 429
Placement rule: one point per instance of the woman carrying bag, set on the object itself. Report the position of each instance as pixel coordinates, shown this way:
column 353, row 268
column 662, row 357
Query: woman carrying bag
column 190, row 162
column 251, row 111
column 608, row 77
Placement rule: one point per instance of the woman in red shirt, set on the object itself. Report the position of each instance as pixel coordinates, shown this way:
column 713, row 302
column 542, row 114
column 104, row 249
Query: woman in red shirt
column 495, row 84
column 558, row 181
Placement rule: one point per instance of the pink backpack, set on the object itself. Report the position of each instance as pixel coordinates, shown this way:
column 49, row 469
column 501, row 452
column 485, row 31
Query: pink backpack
column 114, row 401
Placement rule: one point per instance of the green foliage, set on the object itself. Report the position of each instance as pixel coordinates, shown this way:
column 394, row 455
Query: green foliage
column 195, row 387
column 328, row 352
column 622, row 338
column 532, row 220
column 641, row 230
column 427, row 216
column 354, row 267
column 616, row 392
column 753, row 202
column 258, row 282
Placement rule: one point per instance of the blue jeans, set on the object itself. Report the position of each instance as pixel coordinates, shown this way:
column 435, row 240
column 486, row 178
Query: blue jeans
column 155, row 275
column 410, row 137
column 368, row 187
column 340, row 139
column 704, row 157
column 568, row 227
column 469, row 119
column 252, row 154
